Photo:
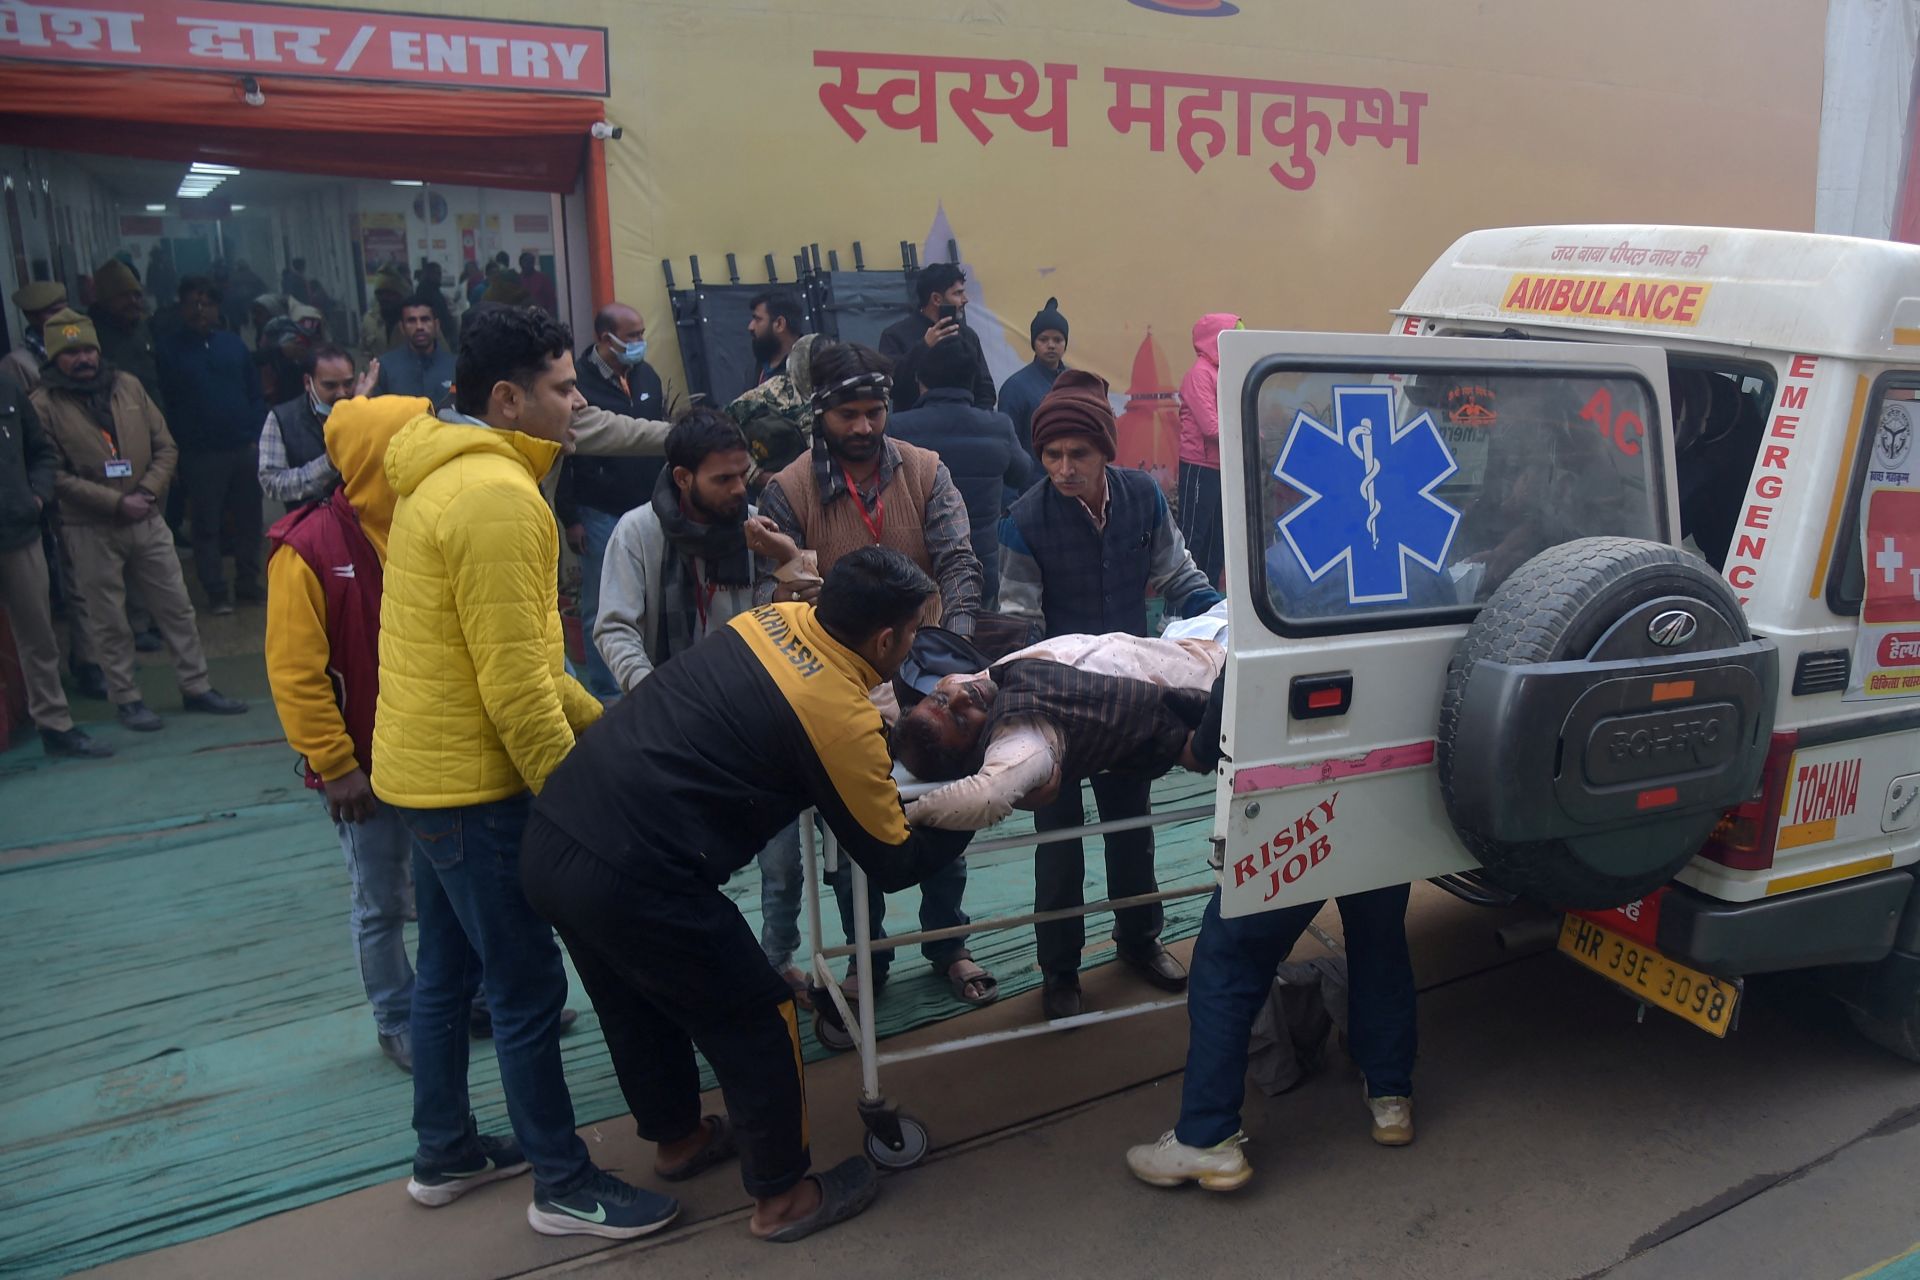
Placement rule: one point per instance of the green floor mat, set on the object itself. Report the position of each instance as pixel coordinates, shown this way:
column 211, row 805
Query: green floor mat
column 187, row 1045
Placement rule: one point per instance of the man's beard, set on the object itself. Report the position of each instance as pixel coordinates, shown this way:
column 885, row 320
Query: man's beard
column 766, row 347
column 851, row 450
column 701, row 512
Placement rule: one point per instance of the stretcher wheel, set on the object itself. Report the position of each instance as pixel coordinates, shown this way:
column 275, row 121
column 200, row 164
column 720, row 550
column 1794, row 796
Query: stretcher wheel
column 827, row 1028
column 913, row 1146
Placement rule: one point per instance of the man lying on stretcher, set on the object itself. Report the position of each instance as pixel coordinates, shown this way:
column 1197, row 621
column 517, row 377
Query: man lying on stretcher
column 1050, row 715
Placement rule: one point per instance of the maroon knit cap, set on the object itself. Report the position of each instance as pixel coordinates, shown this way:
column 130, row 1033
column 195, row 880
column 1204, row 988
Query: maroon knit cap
column 1077, row 406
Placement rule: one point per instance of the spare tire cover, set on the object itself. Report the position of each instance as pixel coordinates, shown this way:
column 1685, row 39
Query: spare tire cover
column 1543, row 789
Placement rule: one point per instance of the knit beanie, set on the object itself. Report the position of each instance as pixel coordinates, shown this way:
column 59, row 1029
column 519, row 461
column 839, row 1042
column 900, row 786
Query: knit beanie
column 113, row 278
column 1077, row 406
column 38, row 295
column 1048, row 317
column 507, row 288
column 66, row 329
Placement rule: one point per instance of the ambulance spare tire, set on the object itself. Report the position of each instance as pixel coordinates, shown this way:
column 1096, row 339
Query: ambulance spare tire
column 1607, row 707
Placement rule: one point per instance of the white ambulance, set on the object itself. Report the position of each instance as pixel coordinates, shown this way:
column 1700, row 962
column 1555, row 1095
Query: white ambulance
column 1595, row 583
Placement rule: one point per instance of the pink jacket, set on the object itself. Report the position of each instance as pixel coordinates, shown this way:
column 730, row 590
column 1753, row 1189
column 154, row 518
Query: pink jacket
column 1199, row 393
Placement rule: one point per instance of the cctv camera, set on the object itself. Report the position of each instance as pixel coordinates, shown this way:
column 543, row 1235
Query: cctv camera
column 250, row 89
column 604, row 131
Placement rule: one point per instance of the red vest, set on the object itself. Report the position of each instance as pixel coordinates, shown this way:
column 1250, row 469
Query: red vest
column 328, row 537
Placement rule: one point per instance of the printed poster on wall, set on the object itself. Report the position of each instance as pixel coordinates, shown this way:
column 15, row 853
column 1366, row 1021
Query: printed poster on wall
column 383, row 241
column 1886, row 659
column 469, row 224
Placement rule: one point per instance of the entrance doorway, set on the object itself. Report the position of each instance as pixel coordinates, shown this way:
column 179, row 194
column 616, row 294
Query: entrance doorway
column 180, row 173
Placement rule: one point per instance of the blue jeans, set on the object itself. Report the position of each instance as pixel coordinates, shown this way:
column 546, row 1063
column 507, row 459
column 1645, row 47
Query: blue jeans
column 1232, row 975
column 783, row 883
column 475, row 918
column 380, row 869
column 593, row 557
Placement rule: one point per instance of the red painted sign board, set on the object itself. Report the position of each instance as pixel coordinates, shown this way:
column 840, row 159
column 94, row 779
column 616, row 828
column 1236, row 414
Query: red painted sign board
column 291, row 40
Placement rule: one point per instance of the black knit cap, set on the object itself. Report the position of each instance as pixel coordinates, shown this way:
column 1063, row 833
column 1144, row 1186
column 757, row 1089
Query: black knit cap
column 1048, row 317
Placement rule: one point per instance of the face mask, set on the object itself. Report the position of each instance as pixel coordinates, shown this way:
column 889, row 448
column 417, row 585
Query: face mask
column 633, row 353
column 319, row 410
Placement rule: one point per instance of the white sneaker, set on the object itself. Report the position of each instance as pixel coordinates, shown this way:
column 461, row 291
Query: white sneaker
column 1392, row 1120
column 1170, row 1162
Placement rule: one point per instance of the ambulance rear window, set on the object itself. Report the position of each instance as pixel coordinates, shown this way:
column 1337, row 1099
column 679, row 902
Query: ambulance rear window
column 1396, row 497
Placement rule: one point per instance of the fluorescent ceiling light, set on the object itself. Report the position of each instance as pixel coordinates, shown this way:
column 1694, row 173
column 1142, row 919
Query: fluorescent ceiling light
column 407, row 182
column 226, row 169
column 156, row 208
column 238, row 208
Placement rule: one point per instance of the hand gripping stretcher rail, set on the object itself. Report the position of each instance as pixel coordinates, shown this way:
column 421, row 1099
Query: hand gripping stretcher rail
column 894, row 1139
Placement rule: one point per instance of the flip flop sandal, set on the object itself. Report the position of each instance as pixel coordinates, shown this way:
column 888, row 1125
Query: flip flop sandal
column 846, row 1190
column 720, row 1147
column 988, row 987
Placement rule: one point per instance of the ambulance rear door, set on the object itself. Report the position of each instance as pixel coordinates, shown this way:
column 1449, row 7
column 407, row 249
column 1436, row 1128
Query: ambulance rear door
column 1377, row 489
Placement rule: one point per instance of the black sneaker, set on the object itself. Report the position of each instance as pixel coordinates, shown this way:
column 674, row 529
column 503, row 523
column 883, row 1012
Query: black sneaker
column 214, row 703
column 492, row 1159
column 138, row 716
column 73, row 742
column 148, row 641
column 602, row 1206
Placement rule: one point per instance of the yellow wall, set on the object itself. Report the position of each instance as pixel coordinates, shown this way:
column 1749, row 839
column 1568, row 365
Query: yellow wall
column 1702, row 111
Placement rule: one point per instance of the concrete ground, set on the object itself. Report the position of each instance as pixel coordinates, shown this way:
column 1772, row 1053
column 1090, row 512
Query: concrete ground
column 1557, row 1138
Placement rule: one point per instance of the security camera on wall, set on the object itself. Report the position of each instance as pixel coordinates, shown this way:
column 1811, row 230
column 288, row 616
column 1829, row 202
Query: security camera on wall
column 604, row 131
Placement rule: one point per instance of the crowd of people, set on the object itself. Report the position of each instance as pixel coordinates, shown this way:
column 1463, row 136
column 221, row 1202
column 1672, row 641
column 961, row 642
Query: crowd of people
column 874, row 559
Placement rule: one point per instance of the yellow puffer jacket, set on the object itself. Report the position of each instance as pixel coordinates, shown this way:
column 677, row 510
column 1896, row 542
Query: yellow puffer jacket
column 475, row 703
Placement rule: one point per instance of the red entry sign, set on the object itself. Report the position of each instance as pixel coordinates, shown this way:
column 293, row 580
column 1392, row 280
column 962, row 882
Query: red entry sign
column 328, row 44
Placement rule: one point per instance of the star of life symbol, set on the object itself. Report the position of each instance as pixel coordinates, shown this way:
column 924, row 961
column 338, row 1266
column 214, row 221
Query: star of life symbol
column 1369, row 488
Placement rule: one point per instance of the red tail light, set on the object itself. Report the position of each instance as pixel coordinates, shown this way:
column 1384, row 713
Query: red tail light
column 1744, row 839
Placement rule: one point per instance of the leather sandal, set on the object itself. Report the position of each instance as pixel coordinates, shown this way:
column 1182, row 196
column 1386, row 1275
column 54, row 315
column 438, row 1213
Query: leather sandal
column 846, row 1190
column 720, row 1147
column 977, row 989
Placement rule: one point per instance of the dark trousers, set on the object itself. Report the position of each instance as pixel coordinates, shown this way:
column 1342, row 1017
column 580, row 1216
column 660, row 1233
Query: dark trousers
column 1200, row 518
column 669, row 970
column 1060, row 871
column 940, row 897
column 1232, row 976
column 224, row 484
column 475, row 918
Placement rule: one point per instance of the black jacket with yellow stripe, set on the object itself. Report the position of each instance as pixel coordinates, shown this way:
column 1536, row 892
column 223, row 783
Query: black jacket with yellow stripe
column 690, row 775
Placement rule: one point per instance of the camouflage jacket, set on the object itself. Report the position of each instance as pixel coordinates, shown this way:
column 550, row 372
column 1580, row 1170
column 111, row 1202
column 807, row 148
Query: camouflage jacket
column 777, row 416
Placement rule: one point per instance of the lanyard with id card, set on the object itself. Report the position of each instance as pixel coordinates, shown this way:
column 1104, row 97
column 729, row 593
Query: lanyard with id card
column 117, row 467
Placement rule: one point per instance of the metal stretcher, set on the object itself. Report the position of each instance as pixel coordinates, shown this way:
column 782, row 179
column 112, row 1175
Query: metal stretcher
column 894, row 1139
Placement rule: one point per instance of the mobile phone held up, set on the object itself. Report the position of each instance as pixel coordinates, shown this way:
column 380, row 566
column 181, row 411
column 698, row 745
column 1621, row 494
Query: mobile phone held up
column 949, row 313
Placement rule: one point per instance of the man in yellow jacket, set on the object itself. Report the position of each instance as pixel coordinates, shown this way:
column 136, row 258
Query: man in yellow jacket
column 475, row 709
